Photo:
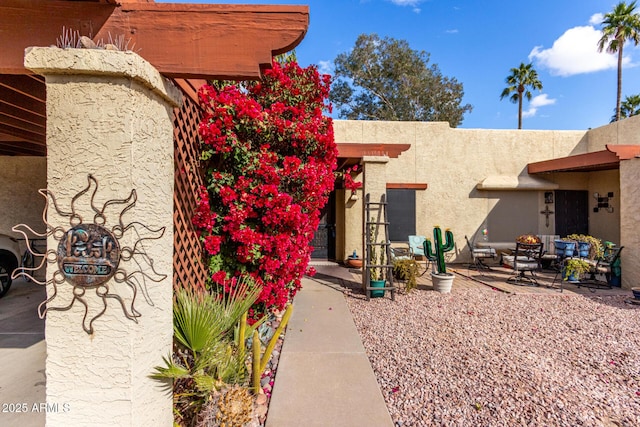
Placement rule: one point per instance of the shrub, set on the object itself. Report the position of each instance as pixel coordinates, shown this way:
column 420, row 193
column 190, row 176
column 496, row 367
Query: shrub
column 407, row 270
column 269, row 157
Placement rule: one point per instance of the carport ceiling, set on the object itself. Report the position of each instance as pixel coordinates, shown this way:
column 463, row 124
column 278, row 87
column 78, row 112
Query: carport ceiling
column 186, row 41
column 22, row 115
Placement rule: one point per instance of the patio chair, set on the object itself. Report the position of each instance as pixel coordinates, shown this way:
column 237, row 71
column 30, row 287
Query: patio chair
column 416, row 249
column 526, row 258
column 602, row 267
column 478, row 256
column 549, row 257
column 416, row 246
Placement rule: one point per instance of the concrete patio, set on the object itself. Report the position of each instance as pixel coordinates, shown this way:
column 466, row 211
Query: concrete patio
column 22, row 356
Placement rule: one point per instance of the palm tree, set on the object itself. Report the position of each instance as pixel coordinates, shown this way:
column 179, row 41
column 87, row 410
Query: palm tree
column 620, row 25
column 629, row 107
column 519, row 81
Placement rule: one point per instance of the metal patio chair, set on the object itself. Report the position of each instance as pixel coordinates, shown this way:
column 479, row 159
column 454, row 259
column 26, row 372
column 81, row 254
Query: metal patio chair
column 416, row 249
column 478, row 256
column 526, row 258
column 602, row 267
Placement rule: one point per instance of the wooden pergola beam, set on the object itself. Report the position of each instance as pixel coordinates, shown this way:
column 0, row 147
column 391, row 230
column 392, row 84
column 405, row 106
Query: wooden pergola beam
column 206, row 41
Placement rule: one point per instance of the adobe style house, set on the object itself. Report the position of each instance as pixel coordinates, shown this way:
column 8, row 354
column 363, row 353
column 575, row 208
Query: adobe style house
column 509, row 182
column 129, row 118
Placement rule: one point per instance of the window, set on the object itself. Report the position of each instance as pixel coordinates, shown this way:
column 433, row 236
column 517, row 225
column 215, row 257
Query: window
column 401, row 213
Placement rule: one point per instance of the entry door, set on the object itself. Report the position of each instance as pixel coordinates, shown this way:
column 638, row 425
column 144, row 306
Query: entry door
column 324, row 239
column 572, row 212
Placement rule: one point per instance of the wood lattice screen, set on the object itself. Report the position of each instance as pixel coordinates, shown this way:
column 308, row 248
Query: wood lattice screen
column 187, row 250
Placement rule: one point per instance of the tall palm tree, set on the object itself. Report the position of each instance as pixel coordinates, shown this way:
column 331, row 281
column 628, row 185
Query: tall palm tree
column 619, row 26
column 520, row 81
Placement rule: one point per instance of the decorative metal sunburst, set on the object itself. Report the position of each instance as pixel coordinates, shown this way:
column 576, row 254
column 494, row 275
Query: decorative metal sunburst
column 92, row 256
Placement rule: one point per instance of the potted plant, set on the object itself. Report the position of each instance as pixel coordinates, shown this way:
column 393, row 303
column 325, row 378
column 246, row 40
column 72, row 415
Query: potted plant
column 565, row 247
column 354, row 260
column 442, row 281
column 574, row 269
column 595, row 249
column 376, row 257
column 406, row 270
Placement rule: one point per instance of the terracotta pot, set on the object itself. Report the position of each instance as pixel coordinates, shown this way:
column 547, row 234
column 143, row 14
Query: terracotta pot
column 354, row 262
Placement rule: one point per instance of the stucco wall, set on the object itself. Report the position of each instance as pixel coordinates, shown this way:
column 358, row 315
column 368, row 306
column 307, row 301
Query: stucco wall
column 22, row 177
column 629, row 221
column 453, row 161
column 625, row 131
column 109, row 114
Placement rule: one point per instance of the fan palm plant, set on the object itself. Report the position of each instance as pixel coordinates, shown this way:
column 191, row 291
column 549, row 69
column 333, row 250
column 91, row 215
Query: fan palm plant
column 520, row 81
column 619, row 26
column 629, row 107
column 206, row 357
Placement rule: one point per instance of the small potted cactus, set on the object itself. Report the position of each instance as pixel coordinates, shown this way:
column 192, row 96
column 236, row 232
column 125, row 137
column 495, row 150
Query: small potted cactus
column 442, row 281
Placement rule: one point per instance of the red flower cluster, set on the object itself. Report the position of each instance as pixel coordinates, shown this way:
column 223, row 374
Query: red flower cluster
column 270, row 158
column 349, row 183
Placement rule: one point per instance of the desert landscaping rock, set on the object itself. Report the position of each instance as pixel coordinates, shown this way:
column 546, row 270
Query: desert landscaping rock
column 476, row 357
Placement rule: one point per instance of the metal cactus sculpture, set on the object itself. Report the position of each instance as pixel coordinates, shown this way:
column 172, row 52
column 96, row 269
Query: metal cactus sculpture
column 437, row 254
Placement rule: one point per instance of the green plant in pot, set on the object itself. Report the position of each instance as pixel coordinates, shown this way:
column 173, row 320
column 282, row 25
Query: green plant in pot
column 442, row 281
column 596, row 248
column 376, row 274
column 574, row 269
column 406, row 270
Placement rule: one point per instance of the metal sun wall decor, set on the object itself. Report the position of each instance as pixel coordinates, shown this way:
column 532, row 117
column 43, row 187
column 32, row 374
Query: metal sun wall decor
column 89, row 255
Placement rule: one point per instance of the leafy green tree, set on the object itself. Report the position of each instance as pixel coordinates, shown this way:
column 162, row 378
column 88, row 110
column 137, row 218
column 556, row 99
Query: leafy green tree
column 384, row 79
column 520, row 81
column 619, row 26
column 629, row 107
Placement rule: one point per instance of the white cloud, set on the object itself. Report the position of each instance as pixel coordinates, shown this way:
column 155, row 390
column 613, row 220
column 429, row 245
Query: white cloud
column 596, row 19
column 453, row 31
column 537, row 102
column 325, row 67
column 406, row 2
column 413, row 3
column 575, row 52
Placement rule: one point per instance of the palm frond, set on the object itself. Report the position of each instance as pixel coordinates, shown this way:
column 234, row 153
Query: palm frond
column 171, row 370
column 201, row 318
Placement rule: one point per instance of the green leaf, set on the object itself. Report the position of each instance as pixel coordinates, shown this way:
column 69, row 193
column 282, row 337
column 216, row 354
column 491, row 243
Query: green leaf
column 171, row 370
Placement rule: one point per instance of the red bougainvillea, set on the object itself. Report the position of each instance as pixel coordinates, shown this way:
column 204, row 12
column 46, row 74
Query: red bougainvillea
column 269, row 157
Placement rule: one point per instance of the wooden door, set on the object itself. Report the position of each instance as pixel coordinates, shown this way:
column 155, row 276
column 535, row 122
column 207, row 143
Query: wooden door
column 324, row 239
column 572, row 212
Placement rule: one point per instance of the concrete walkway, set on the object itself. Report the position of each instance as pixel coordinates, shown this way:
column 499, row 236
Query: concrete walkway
column 324, row 377
column 22, row 356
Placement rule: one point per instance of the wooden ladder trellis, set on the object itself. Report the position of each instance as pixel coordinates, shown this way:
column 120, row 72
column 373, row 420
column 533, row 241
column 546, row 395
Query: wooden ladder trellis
column 376, row 219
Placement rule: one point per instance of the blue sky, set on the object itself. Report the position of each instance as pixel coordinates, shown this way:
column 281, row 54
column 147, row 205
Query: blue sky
column 478, row 42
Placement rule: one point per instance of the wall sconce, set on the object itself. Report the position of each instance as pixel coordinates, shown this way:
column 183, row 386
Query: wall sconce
column 354, row 196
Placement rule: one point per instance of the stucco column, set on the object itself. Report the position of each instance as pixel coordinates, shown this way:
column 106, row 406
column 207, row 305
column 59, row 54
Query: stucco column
column 109, row 114
column 375, row 184
column 629, row 220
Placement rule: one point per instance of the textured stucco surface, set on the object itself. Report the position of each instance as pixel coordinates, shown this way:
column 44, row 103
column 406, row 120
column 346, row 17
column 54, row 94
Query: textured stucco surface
column 375, row 181
column 111, row 125
column 23, row 177
column 625, row 131
column 629, row 221
column 453, row 161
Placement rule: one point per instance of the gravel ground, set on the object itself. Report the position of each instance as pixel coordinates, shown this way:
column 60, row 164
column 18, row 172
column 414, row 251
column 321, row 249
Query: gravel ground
column 486, row 358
